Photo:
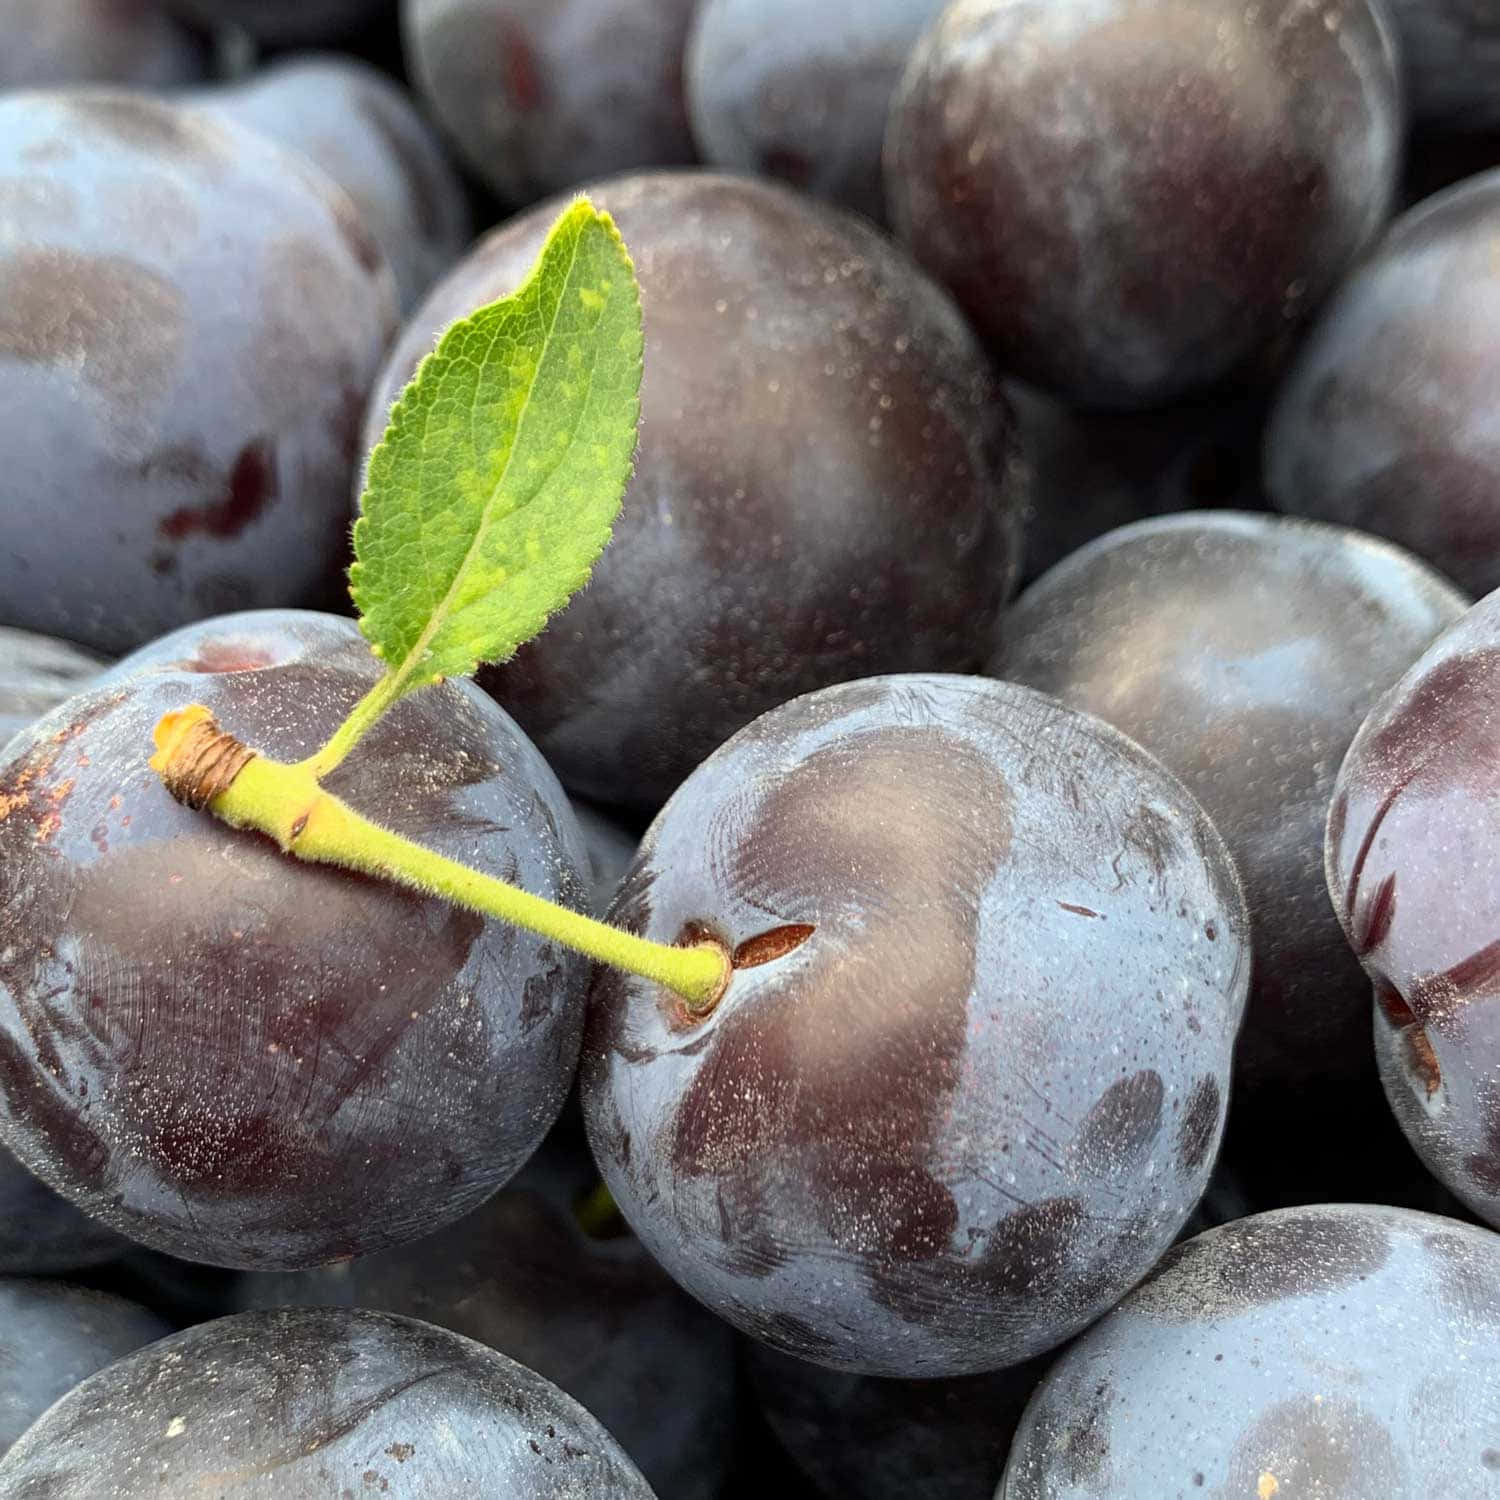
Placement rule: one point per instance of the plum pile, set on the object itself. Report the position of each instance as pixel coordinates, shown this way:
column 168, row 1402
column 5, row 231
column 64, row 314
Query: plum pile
column 958, row 958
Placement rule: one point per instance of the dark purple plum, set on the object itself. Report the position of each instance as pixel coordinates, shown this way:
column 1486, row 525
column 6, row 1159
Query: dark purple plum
column 281, row 21
column 1245, row 651
column 801, row 92
column 539, row 95
column 51, row 1337
column 362, row 129
column 43, row 1234
column 1450, row 56
column 1089, row 472
column 190, row 318
column 1335, row 1352
column 318, row 1402
column 610, row 849
column 36, row 673
column 595, row 1316
column 824, row 486
column 893, row 1439
column 1388, row 420
column 1130, row 199
column 249, row 1061
column 1414, row 874
column 968, row 1078
column 50, row 42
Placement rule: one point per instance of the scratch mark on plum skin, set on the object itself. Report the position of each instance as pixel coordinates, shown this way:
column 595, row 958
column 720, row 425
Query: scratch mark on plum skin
column 1080, row 911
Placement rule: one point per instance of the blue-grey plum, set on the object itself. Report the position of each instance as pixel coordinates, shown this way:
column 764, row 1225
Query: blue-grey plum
column 51, row 1337
column 801, row 91
column 318, row 1403
column 1388, row 420
column 1131, row 198
column 281, row 22
column 1245, row 651
column 190, row 318
column 50, row 42
column 969, row 1074
column 824, row 488
column 1413, row 861
column 243, row 1059
column 1450, row 57
column 539, row 95
column 892, row 1439
column 594, row 1315
column 42, row 1233
column 1088, row 472
column 362, row 129
column 36, row 673
column 1333, row 1352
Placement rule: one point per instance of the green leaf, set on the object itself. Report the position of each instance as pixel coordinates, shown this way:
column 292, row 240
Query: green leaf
column 499, row 478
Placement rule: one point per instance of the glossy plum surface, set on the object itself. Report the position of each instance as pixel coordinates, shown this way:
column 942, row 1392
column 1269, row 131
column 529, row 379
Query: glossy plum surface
column 1245, row 651
column 281, row 21
column 1414, row 874
column 538, row 95
column 893, row 1439
column 801, row 92
column 231, row 1055
column 363, row 130
column 189, row 320
column 51, row 1337
column 595, row 1316
column 1388, row 421
column 1337, row 1352
column 824, row 486
column 49, row 42
column 1450, row 55
column 318, row 1403
column 952, row 1124
column 36, row 673
column 1130, row 198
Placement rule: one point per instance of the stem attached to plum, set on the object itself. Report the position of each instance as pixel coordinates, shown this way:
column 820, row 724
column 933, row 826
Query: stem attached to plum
column 204, row 767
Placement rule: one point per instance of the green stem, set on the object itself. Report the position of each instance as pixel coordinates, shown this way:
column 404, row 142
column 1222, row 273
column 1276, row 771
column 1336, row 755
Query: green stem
column 287, row 803
column 361, row 720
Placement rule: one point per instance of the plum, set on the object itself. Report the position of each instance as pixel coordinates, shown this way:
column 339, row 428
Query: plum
column 36, row 673
column 49, row 42
column 1450, row 56
column 538, row 95
column 190, row 317
column 893, row 1439
column 281, row 22
column 610, row 847
column 1244, row 651
column 825, row 485
column 318, row 1402
column 51, row 1337
column 42, row 1233
column 1336, row 1352
column 233, row 1056
column 361, row 128
column 800, row 91
column 595, row 1316
column 1388, row 420
column 1131, row 198
column 968, row 1078
column 1413, row 863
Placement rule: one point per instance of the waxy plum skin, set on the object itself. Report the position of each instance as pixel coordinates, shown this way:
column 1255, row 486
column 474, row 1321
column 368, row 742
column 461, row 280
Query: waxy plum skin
column 51, row 1337
column 1244, row 651
column 980, row 1099
column 55, row 42
column 825, row 487
column 1222, row 166
column 1450, row 58
column 802, row 92
column 36, row 673
column 597, row 1317
column 364, row 131
column 1334, row 1351
column 190, row 318
column 1387, row 420
column 539, row 95
column 231, row 1055
column 280, row 21
column 1413, row 868
column 318, row 1402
